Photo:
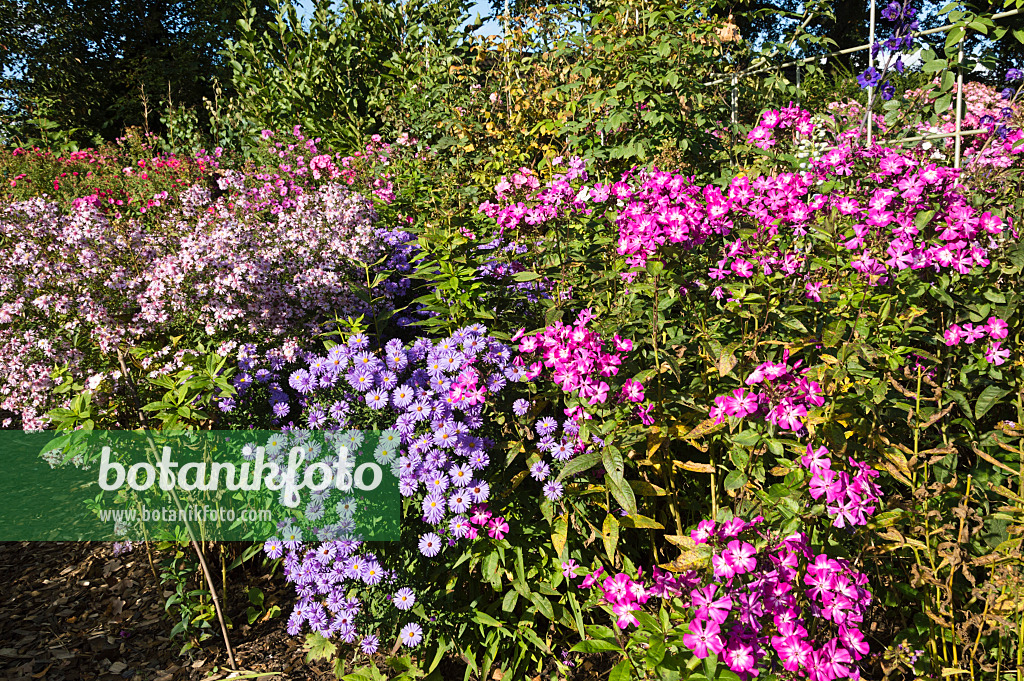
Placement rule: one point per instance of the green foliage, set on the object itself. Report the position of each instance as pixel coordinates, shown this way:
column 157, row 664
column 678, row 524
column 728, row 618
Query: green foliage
column 333, row 75
column 86, row 71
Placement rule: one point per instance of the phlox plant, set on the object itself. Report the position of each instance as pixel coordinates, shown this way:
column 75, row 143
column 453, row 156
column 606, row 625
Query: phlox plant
column 793, row 329
column 759, row 604
column 126, row 179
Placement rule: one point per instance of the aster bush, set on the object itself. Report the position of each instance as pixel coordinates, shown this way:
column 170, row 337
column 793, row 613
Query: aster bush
column 435, row 402
column 273, row 254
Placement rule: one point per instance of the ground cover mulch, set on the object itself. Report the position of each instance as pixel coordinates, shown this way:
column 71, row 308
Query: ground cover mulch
column 75, row 611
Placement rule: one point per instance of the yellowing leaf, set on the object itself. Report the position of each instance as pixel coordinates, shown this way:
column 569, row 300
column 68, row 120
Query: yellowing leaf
column 560, row 533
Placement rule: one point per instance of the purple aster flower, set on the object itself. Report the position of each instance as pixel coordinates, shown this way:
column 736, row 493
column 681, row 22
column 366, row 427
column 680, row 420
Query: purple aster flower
column 459, row 501
column 396, row 359
column 437, row 482
column 459, row 526
column 1014, row 75
column 479, row 491
column 360, row 378
column 553, row 490
column 546, row 426
column 273, row 548
column 338, row 411
column 434, row 506
column 407, row 486
column 387, row 380
column 317, row 618
column 479, row 461
column 404, row 599
column 420, row 409
column 358, row 341
column 540, row 471
column 445, row 436
column 430, row 545
column 561, row 451
column 295, row 621
column 373, row 573
column 520, row 407
column 461, row 475
column 402, row 396
column 411, row 635
column 316, row 417
column 355, row 568
column 226, row 404
column 302, row 381
column 369, row 644
column 377, row 399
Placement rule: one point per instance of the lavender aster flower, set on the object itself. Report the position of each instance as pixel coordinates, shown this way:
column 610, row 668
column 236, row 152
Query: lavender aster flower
column 540, row 471
column 430, row 545
column 411, row 635
column 433, row 508
column 404, row 599
column 546, row 426
column 302, row 381
column 553, row 490
column 369, row 644
column 273, row 548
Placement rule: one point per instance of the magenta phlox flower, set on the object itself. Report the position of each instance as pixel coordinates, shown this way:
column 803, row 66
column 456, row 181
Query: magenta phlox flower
column 710, row 607
column 704, row 638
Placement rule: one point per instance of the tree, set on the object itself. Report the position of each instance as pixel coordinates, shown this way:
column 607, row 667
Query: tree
column 93, row 67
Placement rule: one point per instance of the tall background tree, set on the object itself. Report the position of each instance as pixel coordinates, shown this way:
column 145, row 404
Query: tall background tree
column 91, row 68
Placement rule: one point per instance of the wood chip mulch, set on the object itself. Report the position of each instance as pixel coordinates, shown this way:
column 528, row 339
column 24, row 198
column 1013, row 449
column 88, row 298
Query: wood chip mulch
column 75, row 611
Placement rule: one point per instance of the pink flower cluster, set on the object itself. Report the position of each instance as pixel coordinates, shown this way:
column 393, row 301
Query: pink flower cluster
column 995, row 328
column 761, row 603
column 849, row 499
column 783, row 400
column 483, row 520
column 757, row 608
column 522, row 201
column 578, row 361
column 626, row 595
column 763, row 134
column 877, row 209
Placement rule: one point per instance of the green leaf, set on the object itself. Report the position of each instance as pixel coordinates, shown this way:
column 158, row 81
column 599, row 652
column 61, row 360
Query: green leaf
column 641, row 522
column 610, row 535
column 621, row 672
column 595, row 645
column 580, row 464
column 481, row 617
column 319, row 648
column 988, row 399
column 508, row 604
column 543, row 606
column 656, row 652
column 747, row 438
column 735, row 480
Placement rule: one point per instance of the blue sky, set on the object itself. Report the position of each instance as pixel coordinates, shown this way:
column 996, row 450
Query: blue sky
column 490, row 27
